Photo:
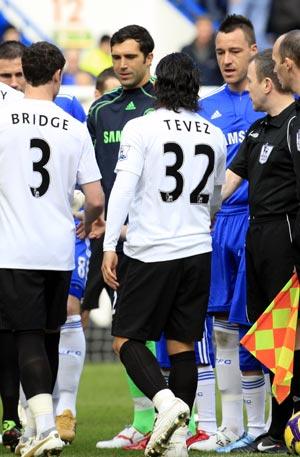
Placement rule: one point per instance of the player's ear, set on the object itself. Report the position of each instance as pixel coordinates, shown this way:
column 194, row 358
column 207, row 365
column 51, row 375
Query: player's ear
column 288, row 63
column 268, row 85
column 57, row 76
column 253, row 49
column 149, row 59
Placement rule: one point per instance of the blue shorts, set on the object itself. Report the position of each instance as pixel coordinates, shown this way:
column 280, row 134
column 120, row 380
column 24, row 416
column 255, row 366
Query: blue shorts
column 238, row 313
column 247, row 361
column 79, row 274
column 228, row 243
column 203, row 349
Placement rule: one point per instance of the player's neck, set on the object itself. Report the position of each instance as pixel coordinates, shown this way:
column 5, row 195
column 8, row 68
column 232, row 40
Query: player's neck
column 141, row 83
column 44, row 92
column 238, row 87
column 280, row 103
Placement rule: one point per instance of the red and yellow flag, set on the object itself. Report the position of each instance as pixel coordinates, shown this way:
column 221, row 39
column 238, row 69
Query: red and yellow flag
column 272, row 338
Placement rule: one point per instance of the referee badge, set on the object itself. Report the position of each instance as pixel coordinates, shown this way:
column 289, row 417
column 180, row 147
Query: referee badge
column 298, row 140
column 265, row 152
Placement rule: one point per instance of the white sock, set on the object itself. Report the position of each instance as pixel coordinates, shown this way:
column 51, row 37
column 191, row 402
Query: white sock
column 254, row 393
column 163, row 400
column 55, row 398
column 29, row 428
column 206, row 399
column 41, row 408
column 71, row 359
column 229, row 376
column 269, row 401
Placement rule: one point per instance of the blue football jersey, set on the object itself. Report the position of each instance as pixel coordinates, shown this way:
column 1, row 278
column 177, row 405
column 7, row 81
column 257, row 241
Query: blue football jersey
column 233, row 113
column 71, row 105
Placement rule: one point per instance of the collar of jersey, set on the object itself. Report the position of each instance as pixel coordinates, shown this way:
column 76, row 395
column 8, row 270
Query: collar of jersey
column 278, row 121
column 237, row 94
column 148, row 85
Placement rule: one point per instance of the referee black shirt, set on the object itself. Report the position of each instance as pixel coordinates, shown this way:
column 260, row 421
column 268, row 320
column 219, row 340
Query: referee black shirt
column 295, row 144
column 264, row 159
column 295, row 152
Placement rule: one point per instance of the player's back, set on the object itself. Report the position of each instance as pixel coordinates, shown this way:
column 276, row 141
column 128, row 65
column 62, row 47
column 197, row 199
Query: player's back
column 184, row 159
column 40, row 153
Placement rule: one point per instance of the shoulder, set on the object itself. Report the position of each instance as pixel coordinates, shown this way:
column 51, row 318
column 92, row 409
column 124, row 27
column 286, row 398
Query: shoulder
column 141, row 126
column 107, row 99
column 215, row 94
column 255, row 127
column 139, row 121
column 148, row 89
column 8, row 93
column 71, row 105
column 213, row 101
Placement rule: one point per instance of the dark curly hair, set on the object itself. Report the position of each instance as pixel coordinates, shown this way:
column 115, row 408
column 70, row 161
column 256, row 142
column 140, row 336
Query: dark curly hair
column 40, row 61
column 177, row 84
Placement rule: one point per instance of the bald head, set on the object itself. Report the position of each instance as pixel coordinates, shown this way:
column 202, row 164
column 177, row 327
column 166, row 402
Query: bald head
column 289, row 46
column 286, row 56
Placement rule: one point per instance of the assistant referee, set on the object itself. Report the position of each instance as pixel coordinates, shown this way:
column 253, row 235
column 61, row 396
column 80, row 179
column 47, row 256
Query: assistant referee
column 265, row 161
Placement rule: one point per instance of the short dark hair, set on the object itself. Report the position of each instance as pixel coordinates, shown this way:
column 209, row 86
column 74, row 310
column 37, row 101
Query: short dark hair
column 104, row 39
column 11, row 50
column 103, row 76
column 177, row 84
column 264, row 67
column 233, row 22
column 40, row 61
column 137, row 33
column 290, row 46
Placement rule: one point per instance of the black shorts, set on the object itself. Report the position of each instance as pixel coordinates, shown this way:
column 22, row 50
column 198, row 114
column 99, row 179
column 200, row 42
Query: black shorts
column 33, row 299
column 269, row 262
column 169, row 296
column 95, row 282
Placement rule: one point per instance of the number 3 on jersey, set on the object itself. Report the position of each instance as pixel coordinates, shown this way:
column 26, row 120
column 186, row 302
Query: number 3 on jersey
column 39, row 166
column 196, row 196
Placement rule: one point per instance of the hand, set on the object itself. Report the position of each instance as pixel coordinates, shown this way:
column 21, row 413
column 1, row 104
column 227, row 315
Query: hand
column 109, row 269
column 98, row 228
column 80, row 231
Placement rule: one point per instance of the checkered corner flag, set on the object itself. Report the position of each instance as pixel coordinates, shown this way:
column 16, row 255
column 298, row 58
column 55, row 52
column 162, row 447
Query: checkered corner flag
column 272, row 338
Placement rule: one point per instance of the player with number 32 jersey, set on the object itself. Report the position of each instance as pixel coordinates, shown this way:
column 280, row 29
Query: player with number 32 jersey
column 181, row 164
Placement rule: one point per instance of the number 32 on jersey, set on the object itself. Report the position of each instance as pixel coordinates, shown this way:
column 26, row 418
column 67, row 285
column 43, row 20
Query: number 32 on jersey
column 196, row 196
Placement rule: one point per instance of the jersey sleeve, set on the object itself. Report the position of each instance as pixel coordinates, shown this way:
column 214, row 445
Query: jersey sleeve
column 131, row 153
column 239, row 165
column 77, row 110
column 221, row 161
column 90, row 122
column 88, row 170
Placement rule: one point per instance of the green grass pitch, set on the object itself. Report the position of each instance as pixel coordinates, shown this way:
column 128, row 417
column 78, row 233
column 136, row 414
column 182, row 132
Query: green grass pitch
column 103, row 409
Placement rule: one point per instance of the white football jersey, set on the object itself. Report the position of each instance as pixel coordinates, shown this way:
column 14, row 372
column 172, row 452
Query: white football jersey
column 43, row 153
column 7, row 93
column 179, row 158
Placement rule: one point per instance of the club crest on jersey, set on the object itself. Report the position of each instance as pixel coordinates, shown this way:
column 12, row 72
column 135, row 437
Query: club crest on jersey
column 265, row 152
column 123, row 153
column 254, row 134
column 298, row 140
